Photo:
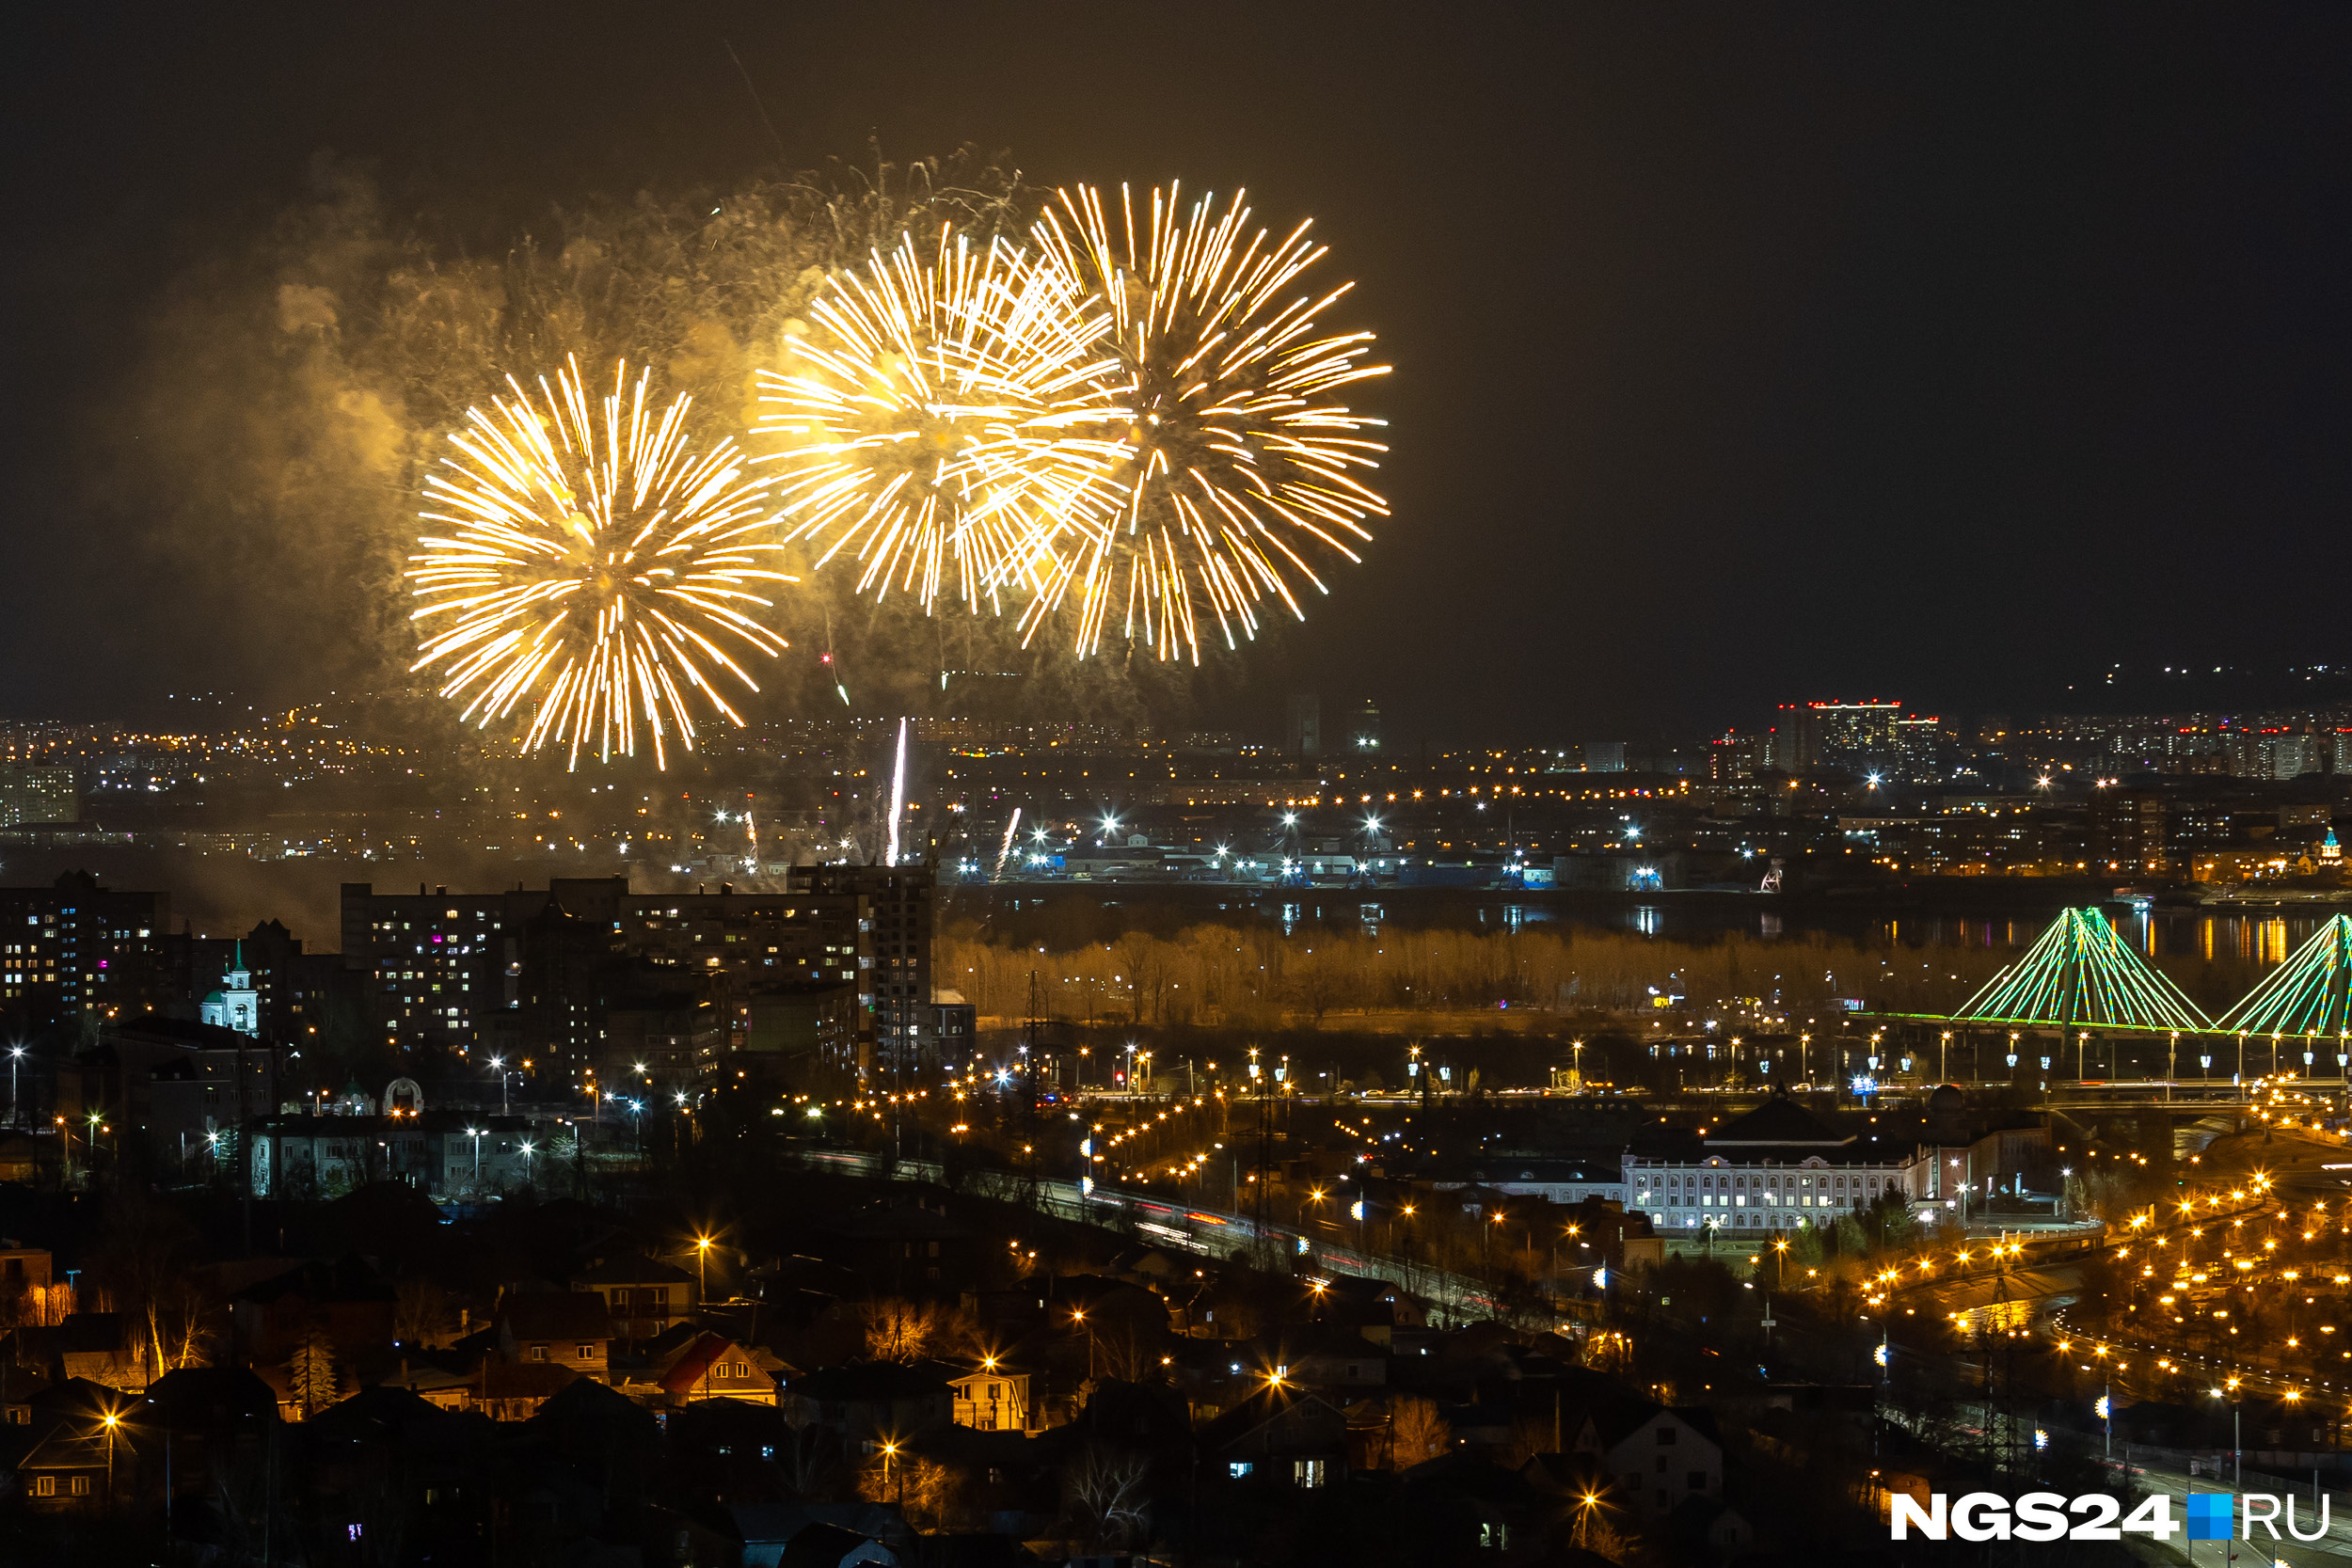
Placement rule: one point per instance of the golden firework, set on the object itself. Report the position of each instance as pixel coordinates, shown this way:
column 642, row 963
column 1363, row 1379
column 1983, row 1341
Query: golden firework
column 940, row 417
column 1236, row 465
column 596, row 566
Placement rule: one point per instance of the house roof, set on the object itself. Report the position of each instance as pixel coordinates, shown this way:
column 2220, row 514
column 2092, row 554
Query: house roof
column 1263, row 1409
column 869, row 1380
column 822, row 1546
column 998, row 1373
column 1470, row 1476
column 348, row 1279
column 1526, row 1169
column 525, row 1380
column 631, row 1271
column 777, row 1521
column 72, row 1446
column 1778, row 1122
column 195, row 1399
column 1295, row 1344
column 585, row 1401
column 698, row 1358
column 373, row 1415
column 80, row 1334
column 556, row 1315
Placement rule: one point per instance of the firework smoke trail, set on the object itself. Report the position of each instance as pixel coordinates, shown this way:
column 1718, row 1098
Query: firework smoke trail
column 941, row 418
column 898, row 793
column 1234, row 459
column 595, row 567
column 1005, row 848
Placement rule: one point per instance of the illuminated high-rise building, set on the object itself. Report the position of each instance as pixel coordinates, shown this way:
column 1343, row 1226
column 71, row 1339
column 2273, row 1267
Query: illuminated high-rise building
column 32, row 794
column 1303, row 734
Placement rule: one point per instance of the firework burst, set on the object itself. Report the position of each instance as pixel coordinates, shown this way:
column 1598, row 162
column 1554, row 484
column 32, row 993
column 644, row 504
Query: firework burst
column 595, row 567
column 941, row 418
column 1236, row 467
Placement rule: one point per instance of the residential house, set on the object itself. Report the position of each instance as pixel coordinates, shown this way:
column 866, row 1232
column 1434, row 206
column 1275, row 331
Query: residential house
column 823, row 1546
column 26, row 1296
column 1655, row 1458
column 767, row 1529
column 906, row 1249
column 215, row 1421
column 994, row 1400
column 869, row 1401
column 770, row 1528
column 346, row 1296
column 70, row 1468
column 1279, row 1434
column 1334, row 1361
column 97, row 1347
column 713, row 1367
column 76, row 1454
column 644, row 1296
column 557, row 1328
column 510, row 1391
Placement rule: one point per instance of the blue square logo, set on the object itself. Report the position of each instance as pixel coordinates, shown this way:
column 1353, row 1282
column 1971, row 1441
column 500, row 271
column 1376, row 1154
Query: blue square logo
column 2211, row 1515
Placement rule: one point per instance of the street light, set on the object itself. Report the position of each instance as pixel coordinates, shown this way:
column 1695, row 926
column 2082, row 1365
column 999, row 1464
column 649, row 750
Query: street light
column 702, row 1271
column 110, row 1420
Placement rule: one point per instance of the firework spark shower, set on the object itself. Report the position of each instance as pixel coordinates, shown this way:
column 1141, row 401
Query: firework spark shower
column 597, row 567
column 1236, row 467
column 1136, row 420
column 940, row 419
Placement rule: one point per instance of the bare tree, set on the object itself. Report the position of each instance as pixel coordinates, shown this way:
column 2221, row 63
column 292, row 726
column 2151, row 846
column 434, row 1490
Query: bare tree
column 920, row 1488
column 897, row 1329
column 1105, row 1488
column 811, row 1464
column 1129, row 1351
column 1319, row 979
column 1416, row 1432
column 420, row 1312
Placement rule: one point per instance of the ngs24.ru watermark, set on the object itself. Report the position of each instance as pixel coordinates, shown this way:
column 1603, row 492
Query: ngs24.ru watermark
column 2096, row 1516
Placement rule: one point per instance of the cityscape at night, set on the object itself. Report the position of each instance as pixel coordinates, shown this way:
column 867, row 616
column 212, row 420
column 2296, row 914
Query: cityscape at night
column 970, row 788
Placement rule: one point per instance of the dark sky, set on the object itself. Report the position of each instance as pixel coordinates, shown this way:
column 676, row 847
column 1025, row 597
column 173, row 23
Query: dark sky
column 1745, row 352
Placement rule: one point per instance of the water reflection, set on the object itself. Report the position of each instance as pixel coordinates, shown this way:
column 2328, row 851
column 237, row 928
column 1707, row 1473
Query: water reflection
column 2267, row 938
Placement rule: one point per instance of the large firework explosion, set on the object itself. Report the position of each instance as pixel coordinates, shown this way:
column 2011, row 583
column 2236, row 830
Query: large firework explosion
column 940, row 417
column 595, row 568
column 1235, row 465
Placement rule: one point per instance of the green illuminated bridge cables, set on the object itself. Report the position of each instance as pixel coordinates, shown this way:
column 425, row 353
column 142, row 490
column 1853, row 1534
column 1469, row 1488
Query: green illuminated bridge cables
column 2080, row 973
column 2304, row 996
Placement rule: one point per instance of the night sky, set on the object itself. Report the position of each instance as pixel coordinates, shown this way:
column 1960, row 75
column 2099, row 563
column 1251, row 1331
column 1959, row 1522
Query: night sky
column 1744, row 354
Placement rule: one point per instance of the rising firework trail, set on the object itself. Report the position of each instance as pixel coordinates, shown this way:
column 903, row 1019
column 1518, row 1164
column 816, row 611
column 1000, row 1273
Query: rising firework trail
column 898, row 793
column 1005, row 848
column 595, row 567
column 1238, row 465
column 940, row 418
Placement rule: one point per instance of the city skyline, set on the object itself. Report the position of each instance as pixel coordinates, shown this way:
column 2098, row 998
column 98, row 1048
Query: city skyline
column 1016, row 785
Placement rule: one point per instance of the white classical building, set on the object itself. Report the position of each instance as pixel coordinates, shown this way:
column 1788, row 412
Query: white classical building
column 1776, row 1168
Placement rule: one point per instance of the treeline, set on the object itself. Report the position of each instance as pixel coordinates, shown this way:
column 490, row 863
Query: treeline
column 1234, row 977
